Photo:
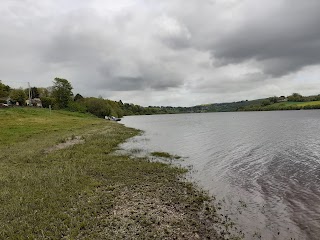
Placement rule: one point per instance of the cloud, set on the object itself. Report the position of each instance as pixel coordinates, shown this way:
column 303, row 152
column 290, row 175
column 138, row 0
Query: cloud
column 163, row 52
column 172, row 33
column 282, row 37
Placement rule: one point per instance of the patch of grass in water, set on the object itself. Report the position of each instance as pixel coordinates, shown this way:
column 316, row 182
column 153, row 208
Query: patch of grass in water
column 165, row 155
column 136, row 150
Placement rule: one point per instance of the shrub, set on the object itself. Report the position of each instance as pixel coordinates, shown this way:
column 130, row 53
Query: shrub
column 47, row 101
column 77, row 107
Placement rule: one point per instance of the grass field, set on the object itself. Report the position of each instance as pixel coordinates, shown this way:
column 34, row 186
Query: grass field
column 297, row 103
column 19, row 124
column 85, row 191
column 313, row 103
column 290, row 106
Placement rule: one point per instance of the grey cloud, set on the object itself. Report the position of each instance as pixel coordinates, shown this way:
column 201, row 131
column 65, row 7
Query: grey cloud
column 197, row 51
column 127, row 83
column 149, row 77
column 230, row 85
column 172, row 33
column 109, row 56
column 282, row 36
column 282, row 41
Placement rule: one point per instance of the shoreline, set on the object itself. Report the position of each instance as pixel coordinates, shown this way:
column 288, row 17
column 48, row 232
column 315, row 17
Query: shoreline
column 85, row 191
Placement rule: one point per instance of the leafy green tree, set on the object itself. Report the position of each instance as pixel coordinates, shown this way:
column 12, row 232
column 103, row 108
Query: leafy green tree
column 116, row 108
column 77, row 106
column 4, row 90
column 62, row 92
column 26, row 91
column 35, row 93
column 77, row 97
column 18, row 95
column 295, row 97
column 43, row 92
column 266, row 102
column 317, row 98
column 47, row 101
column 97, row 106
column 273, row 99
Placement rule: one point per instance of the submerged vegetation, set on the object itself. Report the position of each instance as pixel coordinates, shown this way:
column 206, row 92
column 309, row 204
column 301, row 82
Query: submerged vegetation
column 164, row 155
column 84, row 191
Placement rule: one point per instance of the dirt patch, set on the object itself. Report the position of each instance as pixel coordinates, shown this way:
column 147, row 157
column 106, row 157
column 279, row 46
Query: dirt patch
column 65, row 144
column 141, row 212
column 148, row 213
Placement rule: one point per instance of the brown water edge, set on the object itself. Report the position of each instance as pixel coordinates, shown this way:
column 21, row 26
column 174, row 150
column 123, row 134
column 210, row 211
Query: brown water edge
column 235, row 213
column 223, row 224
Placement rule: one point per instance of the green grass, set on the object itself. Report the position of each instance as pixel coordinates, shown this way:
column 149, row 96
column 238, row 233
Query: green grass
column 291, row 106
column 284, row 104
column 313, row 103
column 85, row 191
column 19, row 124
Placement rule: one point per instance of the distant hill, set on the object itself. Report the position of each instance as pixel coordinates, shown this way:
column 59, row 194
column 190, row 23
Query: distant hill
column 105, row 107
column 228, row 107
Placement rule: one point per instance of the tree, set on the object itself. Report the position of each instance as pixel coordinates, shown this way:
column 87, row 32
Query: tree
column 35, row 93
column 18, row 95
column 43, row 92
column 266, row 102
column 295, row 97
column 77, row 97
column 77, row 106
column 273, row 99
column 62, row 92
column 4, row 90
column 47, row 101
column 97, row 106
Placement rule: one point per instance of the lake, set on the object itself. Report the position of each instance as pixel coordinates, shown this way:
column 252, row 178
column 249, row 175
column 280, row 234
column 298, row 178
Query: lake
column 264, row 167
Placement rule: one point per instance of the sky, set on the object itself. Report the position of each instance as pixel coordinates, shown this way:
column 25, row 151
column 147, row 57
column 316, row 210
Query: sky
column 164, row 53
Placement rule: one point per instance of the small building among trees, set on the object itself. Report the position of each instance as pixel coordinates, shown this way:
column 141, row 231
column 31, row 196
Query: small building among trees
column 282, row 99
column 36, row 102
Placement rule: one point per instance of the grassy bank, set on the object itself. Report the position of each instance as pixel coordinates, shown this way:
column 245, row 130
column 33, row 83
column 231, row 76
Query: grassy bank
column 295, row 104
column 283, row 106
column 86, row 192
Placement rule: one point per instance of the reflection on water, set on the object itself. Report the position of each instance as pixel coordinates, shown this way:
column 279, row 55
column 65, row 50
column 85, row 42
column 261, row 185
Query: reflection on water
column 264, row 166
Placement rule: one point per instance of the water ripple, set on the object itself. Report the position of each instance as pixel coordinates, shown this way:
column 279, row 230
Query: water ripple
column 270, row 160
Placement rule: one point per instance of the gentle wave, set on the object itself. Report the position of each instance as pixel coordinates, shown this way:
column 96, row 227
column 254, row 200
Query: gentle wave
column 270, row 160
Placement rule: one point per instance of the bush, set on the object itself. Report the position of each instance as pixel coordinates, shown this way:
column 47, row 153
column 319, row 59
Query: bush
column 312, row 106
column 47, row 101
column 97, row 106
column 77, row 107
column 18, row 95
column 266, row 102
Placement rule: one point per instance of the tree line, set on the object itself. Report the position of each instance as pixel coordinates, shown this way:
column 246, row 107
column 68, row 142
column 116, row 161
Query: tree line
column 60, row 96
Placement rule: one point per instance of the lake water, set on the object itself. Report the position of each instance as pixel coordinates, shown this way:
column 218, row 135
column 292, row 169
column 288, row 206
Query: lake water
column 263, row 166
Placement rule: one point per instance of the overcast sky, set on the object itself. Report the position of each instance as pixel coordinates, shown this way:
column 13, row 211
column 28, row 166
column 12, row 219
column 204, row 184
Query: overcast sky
column 168, row 52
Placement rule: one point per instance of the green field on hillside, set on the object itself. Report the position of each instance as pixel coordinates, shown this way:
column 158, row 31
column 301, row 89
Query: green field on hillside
column 297, row 103
column 286, row 106
column 313, row 103
column 85, row 191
